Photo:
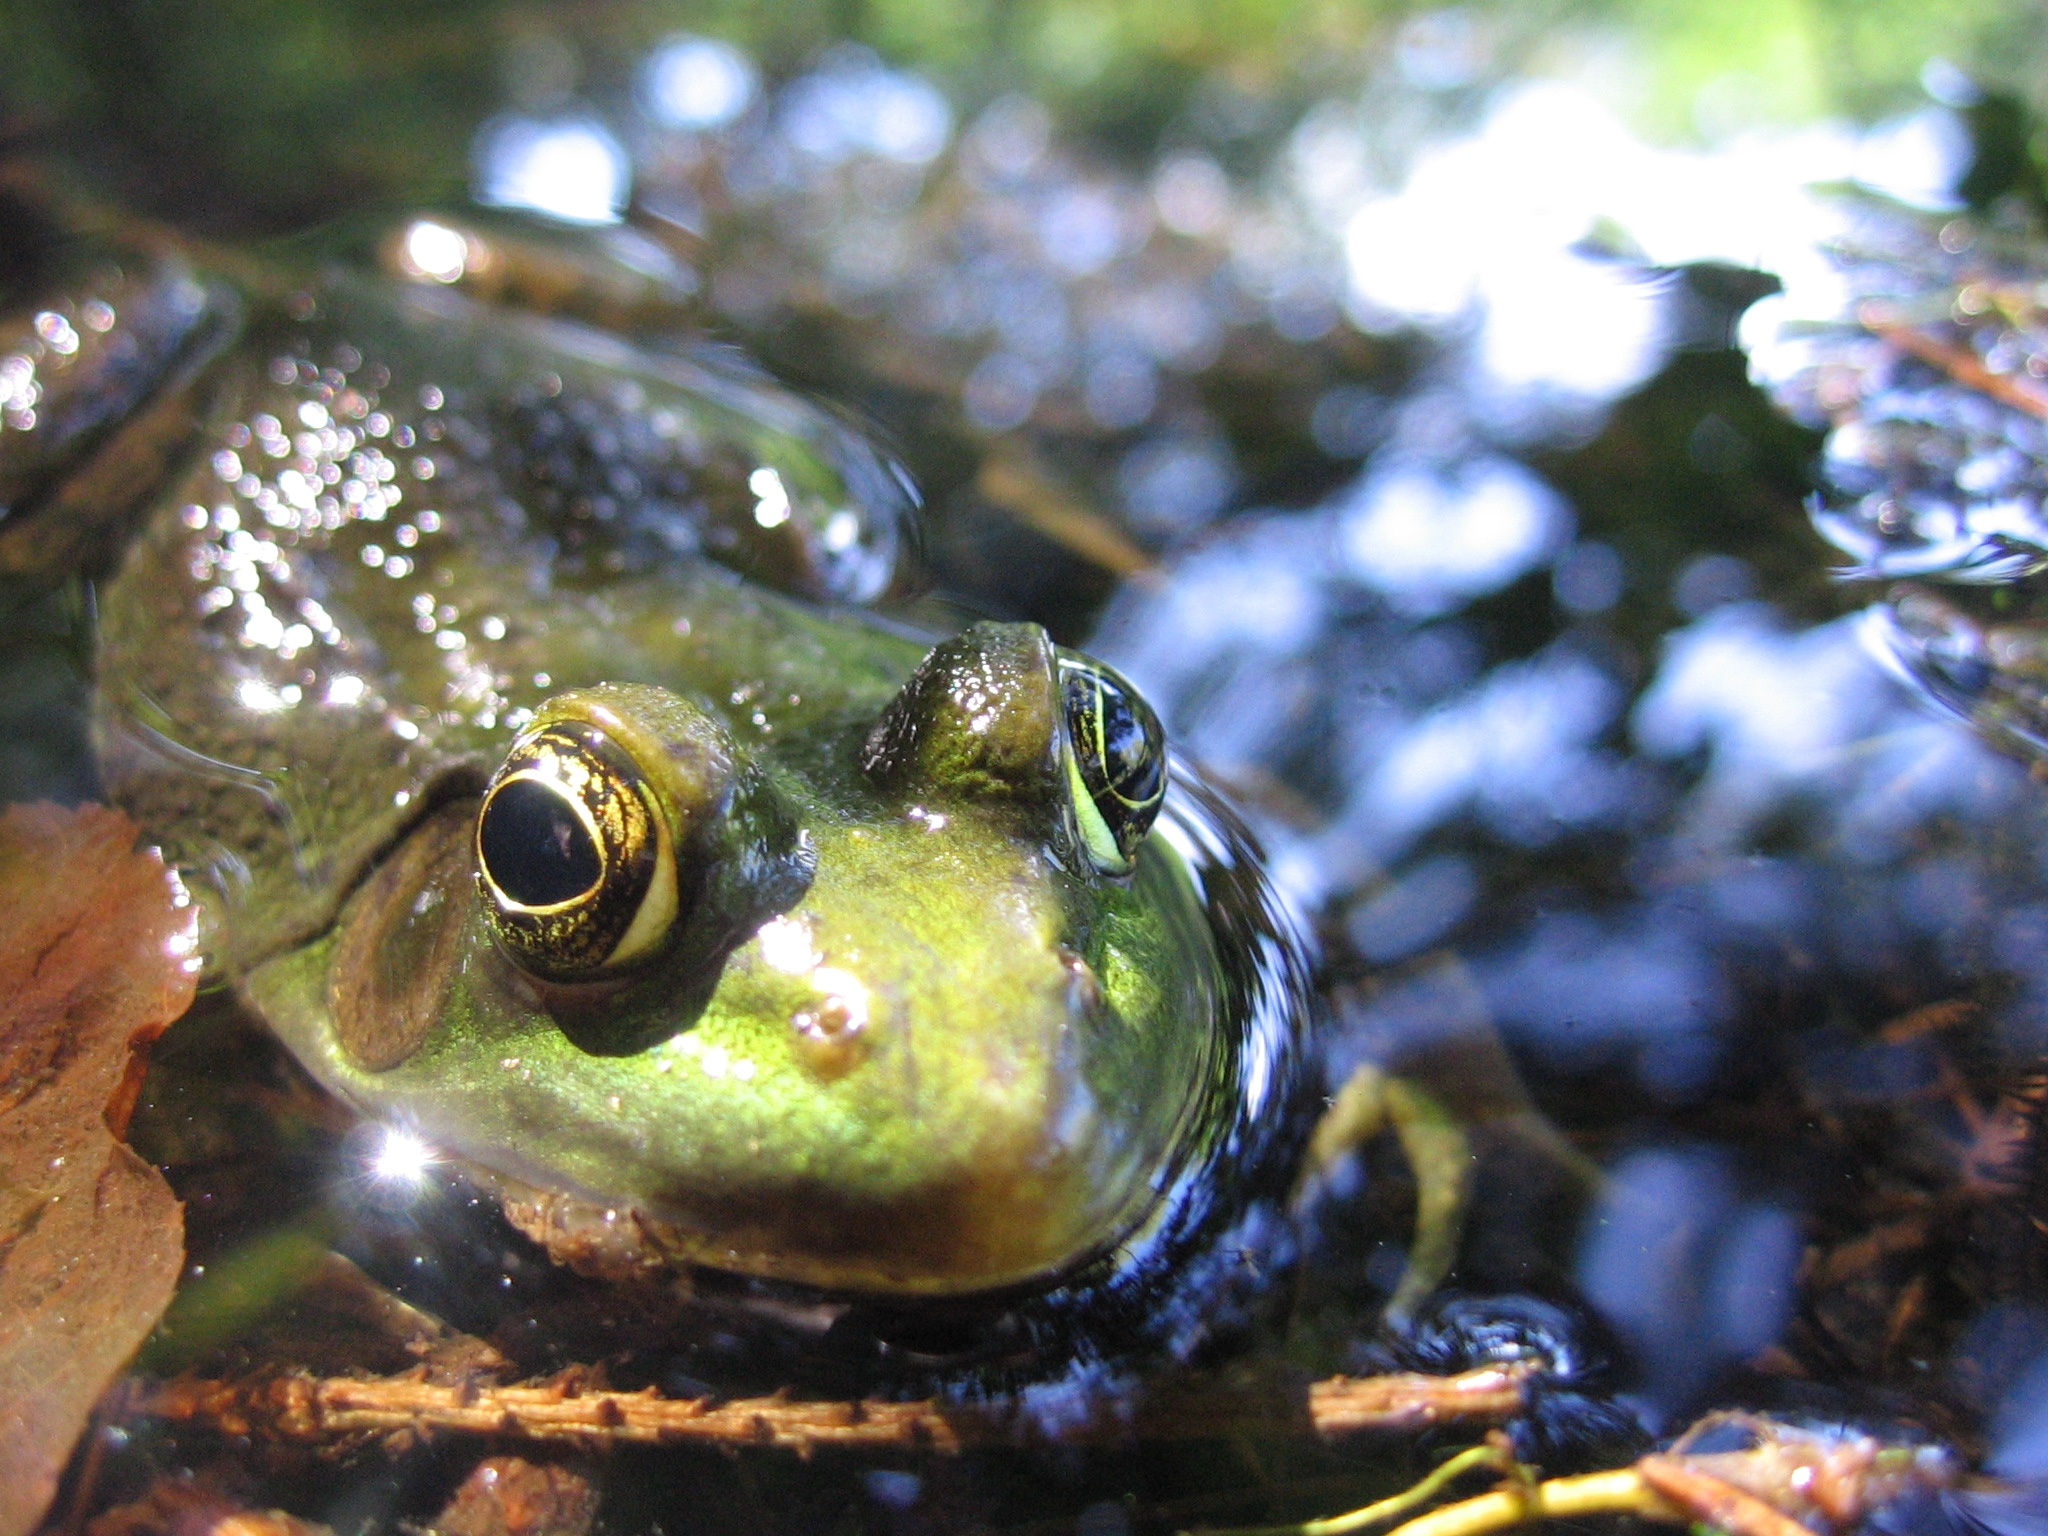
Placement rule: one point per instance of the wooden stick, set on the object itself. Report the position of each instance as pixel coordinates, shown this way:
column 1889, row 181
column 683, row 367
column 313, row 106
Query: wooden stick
column 307, row 1409
column 1714, row 1501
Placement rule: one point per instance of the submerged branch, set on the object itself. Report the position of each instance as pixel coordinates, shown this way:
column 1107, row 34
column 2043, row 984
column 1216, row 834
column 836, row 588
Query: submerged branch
column 1623, row 1492
column 311, row 1410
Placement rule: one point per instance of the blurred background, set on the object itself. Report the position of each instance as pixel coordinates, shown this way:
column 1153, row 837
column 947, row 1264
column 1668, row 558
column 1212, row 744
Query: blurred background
column 1468, row 426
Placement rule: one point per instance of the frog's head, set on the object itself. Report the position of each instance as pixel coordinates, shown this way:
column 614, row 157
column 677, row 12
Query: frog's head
column 913, row 1003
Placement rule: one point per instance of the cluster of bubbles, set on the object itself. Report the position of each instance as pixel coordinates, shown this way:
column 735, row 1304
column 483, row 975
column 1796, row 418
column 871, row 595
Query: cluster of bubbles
column 1929, row 376
column 1931, row 379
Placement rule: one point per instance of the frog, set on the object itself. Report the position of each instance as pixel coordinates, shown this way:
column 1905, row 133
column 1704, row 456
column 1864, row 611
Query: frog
column 513, row 701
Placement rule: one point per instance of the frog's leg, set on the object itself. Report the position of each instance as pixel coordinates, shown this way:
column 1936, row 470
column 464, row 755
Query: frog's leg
column 1438, row 1151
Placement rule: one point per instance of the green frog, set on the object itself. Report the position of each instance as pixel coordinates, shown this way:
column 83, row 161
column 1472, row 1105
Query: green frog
column 507, row 695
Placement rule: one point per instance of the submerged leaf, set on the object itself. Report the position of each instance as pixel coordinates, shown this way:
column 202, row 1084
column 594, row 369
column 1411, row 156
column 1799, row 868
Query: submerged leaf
column 95, row 947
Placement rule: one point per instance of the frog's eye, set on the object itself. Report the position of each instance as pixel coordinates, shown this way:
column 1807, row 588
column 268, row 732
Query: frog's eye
column 573, row 855
column 1116, row 760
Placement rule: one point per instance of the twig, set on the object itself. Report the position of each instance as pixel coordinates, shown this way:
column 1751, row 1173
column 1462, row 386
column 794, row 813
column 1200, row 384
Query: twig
column 1831, row 1480
column 1959, row 363
column 1408, row 1401
column 1020, row 487
column 1718, row 1504
column 306, row 1409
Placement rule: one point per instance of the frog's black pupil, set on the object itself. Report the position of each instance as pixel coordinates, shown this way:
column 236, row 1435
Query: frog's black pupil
column 535, row 847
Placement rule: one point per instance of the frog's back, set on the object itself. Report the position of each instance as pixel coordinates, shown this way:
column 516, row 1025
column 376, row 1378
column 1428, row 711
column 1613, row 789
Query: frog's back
column 404, row 520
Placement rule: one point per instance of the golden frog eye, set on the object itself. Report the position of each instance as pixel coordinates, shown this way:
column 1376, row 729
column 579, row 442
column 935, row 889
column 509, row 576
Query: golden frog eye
column 1116, row 760
column 573, row 855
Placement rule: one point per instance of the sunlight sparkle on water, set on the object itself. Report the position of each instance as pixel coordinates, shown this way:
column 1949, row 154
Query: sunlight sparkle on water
column 1431, row 537
column 786, row 945
column 771, row 498
column 855, row 105
column 401, row 1158
column 252, row 693
column 435, row 251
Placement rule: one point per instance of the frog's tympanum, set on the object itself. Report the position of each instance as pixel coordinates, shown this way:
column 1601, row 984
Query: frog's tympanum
column 499, row 689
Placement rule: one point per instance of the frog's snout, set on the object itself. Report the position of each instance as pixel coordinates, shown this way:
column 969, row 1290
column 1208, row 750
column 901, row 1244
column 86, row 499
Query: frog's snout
column 978, row 720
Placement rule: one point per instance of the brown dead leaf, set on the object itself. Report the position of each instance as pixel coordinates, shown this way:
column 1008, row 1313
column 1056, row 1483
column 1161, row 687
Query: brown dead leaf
column 95, row 944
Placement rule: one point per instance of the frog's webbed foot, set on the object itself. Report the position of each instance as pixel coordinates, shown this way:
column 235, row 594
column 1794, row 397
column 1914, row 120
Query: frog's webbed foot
column 1439, row 1154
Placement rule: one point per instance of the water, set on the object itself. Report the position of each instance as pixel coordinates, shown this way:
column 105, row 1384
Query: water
column 1405, row 458
column 1456, row 540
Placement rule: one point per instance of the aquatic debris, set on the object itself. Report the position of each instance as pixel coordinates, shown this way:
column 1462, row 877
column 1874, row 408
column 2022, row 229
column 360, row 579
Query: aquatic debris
column 1785, row 1481
column 510, row 1496
column 1931, row 382
column 198, row 1506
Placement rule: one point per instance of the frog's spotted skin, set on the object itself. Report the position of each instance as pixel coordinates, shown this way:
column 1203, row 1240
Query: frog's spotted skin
column 384, row 579
column 897, row 997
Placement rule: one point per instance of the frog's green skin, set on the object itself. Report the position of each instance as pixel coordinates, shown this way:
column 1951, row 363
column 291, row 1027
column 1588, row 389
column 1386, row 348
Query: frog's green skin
column 906, row 1040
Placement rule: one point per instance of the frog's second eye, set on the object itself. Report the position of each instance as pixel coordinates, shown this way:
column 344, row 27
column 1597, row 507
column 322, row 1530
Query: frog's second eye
column 1116, row 760
column 573, row 855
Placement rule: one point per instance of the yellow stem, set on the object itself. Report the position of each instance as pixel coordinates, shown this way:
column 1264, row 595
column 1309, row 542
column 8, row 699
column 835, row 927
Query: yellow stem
column 1386, row 1509
column 1562, row 1498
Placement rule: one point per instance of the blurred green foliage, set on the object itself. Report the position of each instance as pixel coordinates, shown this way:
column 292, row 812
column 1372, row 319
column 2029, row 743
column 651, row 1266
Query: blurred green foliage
column 263, row 114
column 1729, row 63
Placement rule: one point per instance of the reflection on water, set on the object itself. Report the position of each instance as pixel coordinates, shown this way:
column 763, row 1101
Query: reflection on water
column 1625, row 790
column 1694, row 1277
column 697, row 83
column 568, row 168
